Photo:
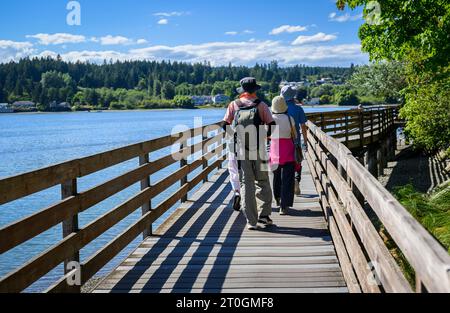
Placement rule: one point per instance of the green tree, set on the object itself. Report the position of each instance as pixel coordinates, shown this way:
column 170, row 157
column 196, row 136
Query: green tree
column 302, row 93
column 184, row 102
column 157, row 88
column 168, row 90
column 2, row 95
column 427, row 113
column 321, row 90
column 326, row 99
column 347, row 97
column 384, row 80
column 416, row 33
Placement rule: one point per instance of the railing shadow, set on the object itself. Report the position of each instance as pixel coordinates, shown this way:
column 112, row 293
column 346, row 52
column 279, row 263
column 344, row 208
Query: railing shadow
column 164, row 271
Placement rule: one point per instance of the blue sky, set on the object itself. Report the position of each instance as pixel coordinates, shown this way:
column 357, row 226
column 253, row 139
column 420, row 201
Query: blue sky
column 241, row 32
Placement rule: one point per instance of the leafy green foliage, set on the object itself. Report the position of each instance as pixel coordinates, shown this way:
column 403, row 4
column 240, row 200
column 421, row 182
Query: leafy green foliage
column 86, row 85
column 384, row 80
column 347, row 97
column 428, row 115
column 423, row 25
column 184, row 102
column 415, row 33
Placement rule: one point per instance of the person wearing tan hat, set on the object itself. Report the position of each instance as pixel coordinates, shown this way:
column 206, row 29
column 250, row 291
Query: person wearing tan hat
column 282, row 155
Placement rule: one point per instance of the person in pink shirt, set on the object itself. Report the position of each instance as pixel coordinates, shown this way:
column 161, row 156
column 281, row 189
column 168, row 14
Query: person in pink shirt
column 282, row 155
column 252, row 165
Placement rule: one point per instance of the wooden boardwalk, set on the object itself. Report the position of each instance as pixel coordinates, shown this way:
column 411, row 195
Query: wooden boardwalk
column 205, row 247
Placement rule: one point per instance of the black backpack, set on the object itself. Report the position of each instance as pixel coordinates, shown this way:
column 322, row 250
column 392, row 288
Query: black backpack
column 246, row 116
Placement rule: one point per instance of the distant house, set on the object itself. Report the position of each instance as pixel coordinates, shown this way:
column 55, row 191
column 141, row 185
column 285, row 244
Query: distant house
column 313, row 101
column 303, row 83
column 24, row 106
column 5, row 108
column 221, row 99
column 202, row 100
column 63, row 106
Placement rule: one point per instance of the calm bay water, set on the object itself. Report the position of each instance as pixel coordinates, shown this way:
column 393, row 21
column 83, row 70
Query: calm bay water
column 31, row 141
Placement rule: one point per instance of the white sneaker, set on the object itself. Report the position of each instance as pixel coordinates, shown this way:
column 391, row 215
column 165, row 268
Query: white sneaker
column 252, row 227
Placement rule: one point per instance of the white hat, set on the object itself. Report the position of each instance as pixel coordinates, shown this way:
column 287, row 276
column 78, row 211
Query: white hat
column 279, row 105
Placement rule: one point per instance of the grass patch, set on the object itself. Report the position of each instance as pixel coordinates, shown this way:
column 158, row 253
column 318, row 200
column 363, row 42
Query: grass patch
column 432, row 211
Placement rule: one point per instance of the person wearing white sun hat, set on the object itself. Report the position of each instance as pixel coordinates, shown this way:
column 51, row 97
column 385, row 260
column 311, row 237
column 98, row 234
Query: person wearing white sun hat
column 282, row 155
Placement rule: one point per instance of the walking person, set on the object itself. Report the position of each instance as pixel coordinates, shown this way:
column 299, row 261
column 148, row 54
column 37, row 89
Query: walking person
column 282, row 155
column 296, row 111
column 247, row 114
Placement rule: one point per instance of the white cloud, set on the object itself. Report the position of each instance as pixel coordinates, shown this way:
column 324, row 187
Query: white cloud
column 222, row 53
column 319, row 37
column 115, row 40
column 163, row 21
column 110, row 40
column 14, row 50
column 58, row 38
column 218, row 53
column 170, row 14
column 244, row 32
column 141, row 41
column 334, row 17
column 288, row 29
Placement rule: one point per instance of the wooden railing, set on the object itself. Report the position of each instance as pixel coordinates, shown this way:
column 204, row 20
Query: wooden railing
column 74, row 202
column 349, row 192
column 357, row 128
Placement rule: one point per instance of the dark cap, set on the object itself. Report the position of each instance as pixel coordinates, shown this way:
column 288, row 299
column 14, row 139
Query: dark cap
column 248, row 84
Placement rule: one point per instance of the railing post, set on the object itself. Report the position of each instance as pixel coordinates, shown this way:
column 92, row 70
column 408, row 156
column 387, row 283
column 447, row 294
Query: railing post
column 371, row 126
column 183, row 163
column 381, row 158
column 346, row 129
column 205, row 161
column 69, row 226
column 145, row 183
column 359, row 196
column 361, row 128
column 420, row 287
column 372, row 160
column 380, row 124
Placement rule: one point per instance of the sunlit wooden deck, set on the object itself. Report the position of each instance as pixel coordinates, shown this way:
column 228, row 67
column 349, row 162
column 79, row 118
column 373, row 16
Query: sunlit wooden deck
column 205, row 247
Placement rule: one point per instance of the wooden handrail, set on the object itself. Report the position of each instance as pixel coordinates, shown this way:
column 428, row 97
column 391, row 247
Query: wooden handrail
column 73, row 202
column 22, row 185
column 337, row 174
column 429, row 259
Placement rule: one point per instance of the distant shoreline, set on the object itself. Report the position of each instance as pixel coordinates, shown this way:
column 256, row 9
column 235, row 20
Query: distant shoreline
column 166, row 109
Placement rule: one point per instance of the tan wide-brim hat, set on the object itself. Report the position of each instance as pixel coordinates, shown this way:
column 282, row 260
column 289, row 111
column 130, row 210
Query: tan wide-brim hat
column 279, row 105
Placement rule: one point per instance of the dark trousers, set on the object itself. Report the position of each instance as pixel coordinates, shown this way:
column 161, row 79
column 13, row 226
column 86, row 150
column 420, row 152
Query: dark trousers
column 283, row 184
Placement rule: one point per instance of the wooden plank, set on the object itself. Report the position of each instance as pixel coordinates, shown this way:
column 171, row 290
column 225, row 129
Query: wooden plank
column 70, row 226
column 98, row 260
column 387, row 269
column 357, row 257
column 429, row 259
column 262, row 290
